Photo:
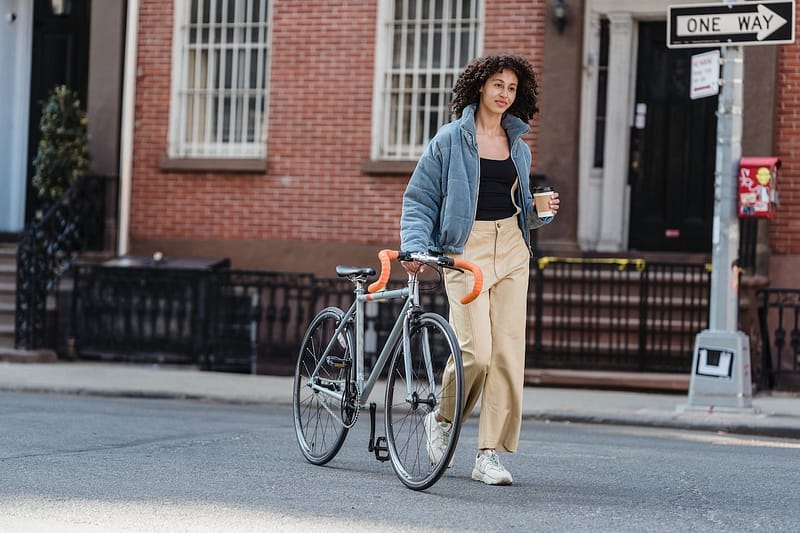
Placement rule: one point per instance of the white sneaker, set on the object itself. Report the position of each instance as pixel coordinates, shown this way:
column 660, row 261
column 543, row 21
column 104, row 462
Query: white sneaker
column 489, row 470
column 438, row 436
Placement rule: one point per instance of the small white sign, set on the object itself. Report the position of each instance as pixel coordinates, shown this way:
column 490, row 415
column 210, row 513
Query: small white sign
column 714, row 363
column 705, row 75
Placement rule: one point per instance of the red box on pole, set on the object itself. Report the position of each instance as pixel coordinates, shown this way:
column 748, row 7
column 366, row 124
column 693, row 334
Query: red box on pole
column 757, row 186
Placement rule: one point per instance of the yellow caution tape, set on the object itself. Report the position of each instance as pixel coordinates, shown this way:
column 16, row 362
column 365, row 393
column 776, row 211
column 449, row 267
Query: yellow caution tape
column 621, row 263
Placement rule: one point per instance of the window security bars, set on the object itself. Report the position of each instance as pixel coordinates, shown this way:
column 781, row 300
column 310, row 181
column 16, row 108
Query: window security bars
column 221, row 78
column 430, row 42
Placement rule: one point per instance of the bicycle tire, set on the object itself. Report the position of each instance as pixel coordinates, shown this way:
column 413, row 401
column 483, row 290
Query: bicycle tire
column 405, row 430
column 320, row 433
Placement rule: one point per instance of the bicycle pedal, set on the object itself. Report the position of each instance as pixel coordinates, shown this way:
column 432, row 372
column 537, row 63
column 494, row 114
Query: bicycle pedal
column 338, row 362
column 381, row 449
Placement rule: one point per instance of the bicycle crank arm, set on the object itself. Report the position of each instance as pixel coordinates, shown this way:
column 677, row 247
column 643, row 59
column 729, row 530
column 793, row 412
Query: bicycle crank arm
column 378, row 446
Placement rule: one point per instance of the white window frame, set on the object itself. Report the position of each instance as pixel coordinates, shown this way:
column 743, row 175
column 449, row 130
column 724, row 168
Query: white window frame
column 195, row 91
column 417, row 103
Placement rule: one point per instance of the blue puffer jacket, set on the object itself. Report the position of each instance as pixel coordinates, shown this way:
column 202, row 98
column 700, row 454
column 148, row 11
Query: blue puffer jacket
column 441, row 199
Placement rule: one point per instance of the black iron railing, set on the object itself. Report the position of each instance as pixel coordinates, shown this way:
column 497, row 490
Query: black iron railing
column 616, row 314
column 72, row 224
column 779, row 324
column 256, row 315
column 583, row 313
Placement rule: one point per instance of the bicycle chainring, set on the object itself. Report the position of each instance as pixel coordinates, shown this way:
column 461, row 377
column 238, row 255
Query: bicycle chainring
column 350, row 406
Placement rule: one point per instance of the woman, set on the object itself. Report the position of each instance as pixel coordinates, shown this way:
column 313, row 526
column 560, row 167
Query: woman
column 469, row 197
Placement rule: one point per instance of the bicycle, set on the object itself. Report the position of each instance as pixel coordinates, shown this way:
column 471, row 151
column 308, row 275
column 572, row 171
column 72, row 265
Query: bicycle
column 330, row 386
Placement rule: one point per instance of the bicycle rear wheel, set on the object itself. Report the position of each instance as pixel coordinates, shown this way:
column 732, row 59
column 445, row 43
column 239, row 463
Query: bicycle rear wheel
column 433, row 346
column 318, row 416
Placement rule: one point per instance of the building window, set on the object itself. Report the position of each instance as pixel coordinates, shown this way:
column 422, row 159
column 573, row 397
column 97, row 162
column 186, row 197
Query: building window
column 429, row 44
column 602, row 95
column 220, row 79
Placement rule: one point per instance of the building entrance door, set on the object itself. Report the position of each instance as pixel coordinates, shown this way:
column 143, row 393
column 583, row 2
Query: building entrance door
column 673, row 149
column 60, row 55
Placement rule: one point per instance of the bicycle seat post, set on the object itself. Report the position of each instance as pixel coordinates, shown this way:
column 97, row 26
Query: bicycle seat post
column 359, row 282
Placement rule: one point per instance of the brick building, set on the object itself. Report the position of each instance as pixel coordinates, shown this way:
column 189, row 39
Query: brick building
column 312, row 151
column 327, row 179
column 320, row 183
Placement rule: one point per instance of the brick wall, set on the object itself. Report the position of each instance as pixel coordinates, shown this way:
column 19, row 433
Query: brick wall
column 319, row 131
column 785, row 229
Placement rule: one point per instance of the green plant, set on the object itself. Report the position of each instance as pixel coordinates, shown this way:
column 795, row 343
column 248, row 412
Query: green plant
column 63, row 154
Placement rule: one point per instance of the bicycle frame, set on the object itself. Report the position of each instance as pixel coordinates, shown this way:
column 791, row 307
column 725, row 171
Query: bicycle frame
column 401, row 325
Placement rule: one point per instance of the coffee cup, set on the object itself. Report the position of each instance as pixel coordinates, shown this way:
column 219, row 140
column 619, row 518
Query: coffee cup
column 541, row 199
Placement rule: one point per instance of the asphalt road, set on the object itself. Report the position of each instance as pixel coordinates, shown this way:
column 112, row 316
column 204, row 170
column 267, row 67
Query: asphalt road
column 72, row 463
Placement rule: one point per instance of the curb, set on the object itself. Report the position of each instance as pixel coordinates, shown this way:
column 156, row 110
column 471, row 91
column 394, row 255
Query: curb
column 12, row 355
column 666, row 422
column 139, row 394
column 782, row 432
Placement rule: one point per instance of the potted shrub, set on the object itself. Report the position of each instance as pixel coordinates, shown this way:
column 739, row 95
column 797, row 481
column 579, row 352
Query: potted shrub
column 63, row 154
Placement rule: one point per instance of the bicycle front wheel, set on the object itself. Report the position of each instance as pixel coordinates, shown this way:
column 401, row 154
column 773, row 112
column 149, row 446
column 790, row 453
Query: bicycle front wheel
column 318, row 414
column 431, row 376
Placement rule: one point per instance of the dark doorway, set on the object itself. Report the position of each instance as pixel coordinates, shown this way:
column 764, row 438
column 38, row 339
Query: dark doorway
column 60, row 55
column 672, row 151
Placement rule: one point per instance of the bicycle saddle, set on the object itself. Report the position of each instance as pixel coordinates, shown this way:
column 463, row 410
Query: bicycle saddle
column 346, row 271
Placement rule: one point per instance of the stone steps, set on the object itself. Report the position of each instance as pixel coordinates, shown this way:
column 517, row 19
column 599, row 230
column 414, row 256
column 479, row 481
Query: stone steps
column 8, row 294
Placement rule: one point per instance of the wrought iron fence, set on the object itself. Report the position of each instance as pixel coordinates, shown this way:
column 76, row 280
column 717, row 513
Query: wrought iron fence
column 72, row 224
column 616, row 314
column 779, row 324
column 132, row 314
column 583, row 313
column 257, row 316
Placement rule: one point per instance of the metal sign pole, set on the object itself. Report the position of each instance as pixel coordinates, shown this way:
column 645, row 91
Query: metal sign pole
column 723, row 314
column 721, row 364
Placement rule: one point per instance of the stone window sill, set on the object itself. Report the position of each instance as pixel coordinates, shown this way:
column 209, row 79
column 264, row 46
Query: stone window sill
column 239, row 166
column 388, row 167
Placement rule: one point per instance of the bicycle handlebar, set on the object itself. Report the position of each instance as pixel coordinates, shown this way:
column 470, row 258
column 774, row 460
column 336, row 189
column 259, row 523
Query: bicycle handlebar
column 385, row 257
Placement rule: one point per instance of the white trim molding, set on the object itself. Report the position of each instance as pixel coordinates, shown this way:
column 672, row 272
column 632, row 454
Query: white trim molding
column 603, row 192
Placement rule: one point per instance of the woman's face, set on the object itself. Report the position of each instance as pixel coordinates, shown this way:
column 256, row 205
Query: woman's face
column 499, row 91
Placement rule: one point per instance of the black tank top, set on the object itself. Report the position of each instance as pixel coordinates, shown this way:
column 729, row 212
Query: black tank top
column 494, row 192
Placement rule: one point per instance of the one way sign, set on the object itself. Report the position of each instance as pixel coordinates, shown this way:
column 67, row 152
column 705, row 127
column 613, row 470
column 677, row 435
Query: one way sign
column 743, row 23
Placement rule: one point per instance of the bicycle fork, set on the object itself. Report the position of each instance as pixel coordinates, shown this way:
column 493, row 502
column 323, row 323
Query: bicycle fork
column 379, row 445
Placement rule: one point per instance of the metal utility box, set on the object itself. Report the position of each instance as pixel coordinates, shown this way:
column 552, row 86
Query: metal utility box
column 757, row 186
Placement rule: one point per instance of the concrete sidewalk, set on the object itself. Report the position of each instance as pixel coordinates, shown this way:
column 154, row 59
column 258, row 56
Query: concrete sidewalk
column 776, row 415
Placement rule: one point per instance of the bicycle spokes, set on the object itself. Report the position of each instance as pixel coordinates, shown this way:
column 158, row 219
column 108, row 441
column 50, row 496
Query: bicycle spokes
column 322, row 409
column 415, row 388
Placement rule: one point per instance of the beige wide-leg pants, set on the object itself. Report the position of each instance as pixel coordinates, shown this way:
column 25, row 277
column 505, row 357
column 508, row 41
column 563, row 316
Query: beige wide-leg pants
column 491, row 330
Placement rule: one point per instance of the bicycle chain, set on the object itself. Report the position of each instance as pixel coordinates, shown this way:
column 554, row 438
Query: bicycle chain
column 353, row 399
column 339, row 417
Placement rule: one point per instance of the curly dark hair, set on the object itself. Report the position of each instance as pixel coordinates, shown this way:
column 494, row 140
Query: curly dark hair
column 468, row 85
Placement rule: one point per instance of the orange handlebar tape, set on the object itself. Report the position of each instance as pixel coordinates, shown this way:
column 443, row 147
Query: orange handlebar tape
column 385, row 257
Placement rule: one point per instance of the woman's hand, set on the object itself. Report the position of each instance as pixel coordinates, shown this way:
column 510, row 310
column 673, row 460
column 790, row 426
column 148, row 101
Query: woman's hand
column 413, row 267
column 554, row 203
